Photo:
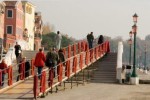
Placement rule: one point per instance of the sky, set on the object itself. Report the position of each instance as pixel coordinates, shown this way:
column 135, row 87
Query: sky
column 112, row 18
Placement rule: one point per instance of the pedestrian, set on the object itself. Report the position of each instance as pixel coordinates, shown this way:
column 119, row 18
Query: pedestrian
column 123, row 73
column 52, row 60
column 101, row 39
column 17, row 49
column 58, row 39
column 61, row 55
column 39, row 61
column 19, row 58
column 27, row 67
column 21, row 68
column 49, row 59
column 3, row 68
column 91, row 39
column 88, row 39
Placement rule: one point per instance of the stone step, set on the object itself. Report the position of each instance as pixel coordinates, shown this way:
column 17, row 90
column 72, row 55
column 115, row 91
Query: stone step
column 104, row 77
column 106, row 69
column 107, row 74
column 106, row 66
column 103, row 81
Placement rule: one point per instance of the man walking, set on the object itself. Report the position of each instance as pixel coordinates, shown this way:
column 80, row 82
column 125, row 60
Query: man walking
column 88, row 39
column 58, row 39
column 40, row 61
column 52, row 60
column 17, row 49
column 91, row 38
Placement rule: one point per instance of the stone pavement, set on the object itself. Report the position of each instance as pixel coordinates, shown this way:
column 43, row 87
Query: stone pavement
column 101, row 91
column 105, row 91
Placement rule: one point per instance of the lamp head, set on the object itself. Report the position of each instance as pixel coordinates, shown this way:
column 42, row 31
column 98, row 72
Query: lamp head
column 135, row 16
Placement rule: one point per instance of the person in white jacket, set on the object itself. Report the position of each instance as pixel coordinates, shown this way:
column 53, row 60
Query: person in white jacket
column 58, row 39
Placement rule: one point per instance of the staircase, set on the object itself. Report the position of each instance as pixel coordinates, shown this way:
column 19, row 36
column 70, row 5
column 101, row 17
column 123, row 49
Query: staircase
column 29, row 54
column 105, row 69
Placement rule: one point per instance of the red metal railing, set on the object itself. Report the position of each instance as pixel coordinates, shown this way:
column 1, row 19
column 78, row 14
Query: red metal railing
column 78, row 57
column 12, row 72
column 69, row 68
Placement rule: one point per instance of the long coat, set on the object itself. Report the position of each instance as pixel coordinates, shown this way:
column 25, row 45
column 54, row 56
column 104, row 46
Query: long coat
column 40, row 59
column 3, row 67
column 123, row 74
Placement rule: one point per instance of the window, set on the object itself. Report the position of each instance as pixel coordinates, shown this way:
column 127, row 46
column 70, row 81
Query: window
column 9, row 13
column 9, row 30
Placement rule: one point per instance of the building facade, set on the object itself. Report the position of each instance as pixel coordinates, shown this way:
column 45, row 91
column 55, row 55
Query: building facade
column 38, row 31
column 28, row 34
column 13, row 22
column 2, row 9
column 20, row 22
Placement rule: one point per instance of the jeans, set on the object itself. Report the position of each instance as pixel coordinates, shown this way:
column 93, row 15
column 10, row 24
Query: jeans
column 39, row 71
column 90, row 44
column 3, row 77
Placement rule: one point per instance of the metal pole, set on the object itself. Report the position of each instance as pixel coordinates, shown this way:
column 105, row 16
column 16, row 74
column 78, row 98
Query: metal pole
column 130, row 55
column 134, row 58
column 145, row 68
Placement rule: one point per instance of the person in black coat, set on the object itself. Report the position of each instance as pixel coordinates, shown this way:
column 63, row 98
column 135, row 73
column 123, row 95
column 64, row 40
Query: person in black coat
column 61, row 55
column 17, row 49
column 27, row 68
column 101, row 39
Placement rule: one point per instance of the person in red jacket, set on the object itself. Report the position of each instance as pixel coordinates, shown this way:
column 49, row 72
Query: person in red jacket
column 3, row 67
column 40, row 61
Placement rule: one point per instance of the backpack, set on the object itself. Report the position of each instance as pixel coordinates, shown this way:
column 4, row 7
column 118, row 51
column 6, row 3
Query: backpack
column 49, row 62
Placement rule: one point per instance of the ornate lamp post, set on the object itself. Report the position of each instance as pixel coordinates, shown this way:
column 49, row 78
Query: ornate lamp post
column 130, row 43
column 134, row 29
column 134, row 78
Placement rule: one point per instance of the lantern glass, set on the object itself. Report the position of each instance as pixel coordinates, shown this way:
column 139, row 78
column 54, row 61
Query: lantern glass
column 135, row 16
column 130, row 34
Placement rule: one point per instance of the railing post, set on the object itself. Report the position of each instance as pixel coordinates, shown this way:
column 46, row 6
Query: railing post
column 74, row 49
column 43, row 82
column 81, row 61
column 35, row 87
column 64, row 52
column 96, row 52
column 0, row 77
column 82, row 46
column 91, row 55
column 60, row 69
column 74, row 68
column 86, row 46
column 87, row 57
column 32, row 67
column 50, row 80
column 10, row 76
column 67, row 69
column 108, row 47
column 69, row 51
column 22, row 76
column 79, row 47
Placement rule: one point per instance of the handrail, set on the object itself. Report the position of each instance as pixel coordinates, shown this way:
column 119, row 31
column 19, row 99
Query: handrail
column 80, row 52
column 13, row 75
column 78, row 63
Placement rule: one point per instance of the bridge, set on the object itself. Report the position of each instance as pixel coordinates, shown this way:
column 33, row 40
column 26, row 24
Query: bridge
column 82, row 65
